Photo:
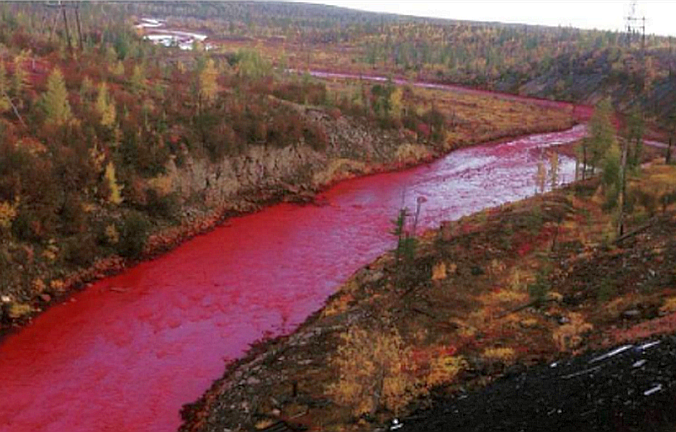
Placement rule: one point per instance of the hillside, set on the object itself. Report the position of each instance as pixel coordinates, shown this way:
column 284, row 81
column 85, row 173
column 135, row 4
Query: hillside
column 557, row 63
column 525, row 284
column 115, row 150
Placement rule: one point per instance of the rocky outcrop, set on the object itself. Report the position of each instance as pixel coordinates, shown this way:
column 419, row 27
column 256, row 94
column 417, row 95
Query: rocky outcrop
column 353, row 147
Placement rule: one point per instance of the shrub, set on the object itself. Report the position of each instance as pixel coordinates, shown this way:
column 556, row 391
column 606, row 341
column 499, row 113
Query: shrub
column 81, row 250
column 133, row 235
column 165, row 207
column 606, row 290
column 539, row 289
column 316, row 137
column 372, row 365
column 570, row 336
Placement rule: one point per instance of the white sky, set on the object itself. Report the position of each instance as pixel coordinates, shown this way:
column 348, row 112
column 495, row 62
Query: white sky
column 606, row 15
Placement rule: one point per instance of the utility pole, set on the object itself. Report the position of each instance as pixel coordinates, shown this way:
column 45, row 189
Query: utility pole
column 62, row 7
column 634, row 23
column 671, row 57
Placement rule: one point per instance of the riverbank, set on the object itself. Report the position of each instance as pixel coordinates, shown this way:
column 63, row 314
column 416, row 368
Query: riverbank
column 520, row 285
column 141, row 344
column 211, row 193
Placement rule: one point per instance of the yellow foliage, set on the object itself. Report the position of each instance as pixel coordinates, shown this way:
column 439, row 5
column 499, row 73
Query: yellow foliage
column 55, row 100
column 529, row 323
column 496, row 267
column 570, row 336
column 105, row 106
column 7, row 214
column 262, row 424
column 439, row 271
column 337, row 305
column 117, row 68
column 162, row 185
column 411, row 152
column 669, row 305
column 38, row 285
column 17, row 310
column 518, row 279
column 112, row 236
column 396, row 102
column 503, row 297
column 208, row 86
column 505, row 355
column 51, row 252
column 371, row 366
column 443, row 369
column 115, row 189
column 57, row 285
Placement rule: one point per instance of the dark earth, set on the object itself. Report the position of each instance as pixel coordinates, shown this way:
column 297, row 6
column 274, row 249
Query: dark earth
column 627, row 388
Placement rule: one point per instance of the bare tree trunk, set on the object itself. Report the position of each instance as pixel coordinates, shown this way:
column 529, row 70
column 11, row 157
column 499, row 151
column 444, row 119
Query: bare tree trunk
column 14, row 108
column 65, row 23
column 584, row 162
column 668, row 157
column 623, row 188
column 378, row 391
column 79, row 28
column 51, row 30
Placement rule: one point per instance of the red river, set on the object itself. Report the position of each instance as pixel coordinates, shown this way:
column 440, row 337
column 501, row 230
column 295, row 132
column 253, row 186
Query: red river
column 128, row 352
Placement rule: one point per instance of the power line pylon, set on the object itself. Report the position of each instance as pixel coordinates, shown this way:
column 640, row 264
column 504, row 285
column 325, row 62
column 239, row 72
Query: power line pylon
column 634, row 23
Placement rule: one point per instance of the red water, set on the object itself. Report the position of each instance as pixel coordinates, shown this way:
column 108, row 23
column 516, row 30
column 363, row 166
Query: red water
column 128, row 358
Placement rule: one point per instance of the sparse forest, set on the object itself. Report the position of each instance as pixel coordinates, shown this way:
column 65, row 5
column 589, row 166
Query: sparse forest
column 559, row 63
column 97, row 125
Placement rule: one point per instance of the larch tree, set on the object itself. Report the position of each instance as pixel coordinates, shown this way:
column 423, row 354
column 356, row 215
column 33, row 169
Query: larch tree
column 554, row 169
column 105, row 106
column 115, row 196
column 634, row 137
column 20, row 77
column 208, row 85
column 55, row 100
column 540, row 177
column 138, row 79
column 396, row 103
column 117, row 68
column 5, row 103
column 601, row 133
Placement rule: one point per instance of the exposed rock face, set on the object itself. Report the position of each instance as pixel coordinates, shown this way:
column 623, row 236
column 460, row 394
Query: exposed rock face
column 353, row 148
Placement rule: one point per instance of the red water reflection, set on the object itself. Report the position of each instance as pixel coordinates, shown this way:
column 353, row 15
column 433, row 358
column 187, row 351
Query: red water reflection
column 127, row 359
